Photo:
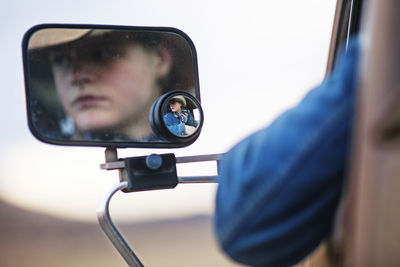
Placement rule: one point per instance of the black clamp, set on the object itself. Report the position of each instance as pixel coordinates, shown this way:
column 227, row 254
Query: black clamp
column 151, row 172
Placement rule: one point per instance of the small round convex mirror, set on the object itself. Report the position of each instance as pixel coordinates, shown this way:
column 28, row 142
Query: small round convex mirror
column 177, row 116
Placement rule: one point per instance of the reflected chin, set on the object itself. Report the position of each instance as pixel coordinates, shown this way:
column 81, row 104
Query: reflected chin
column 94, row 120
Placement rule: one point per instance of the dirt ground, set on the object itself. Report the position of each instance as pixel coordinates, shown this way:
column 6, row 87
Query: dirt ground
column 32, row 239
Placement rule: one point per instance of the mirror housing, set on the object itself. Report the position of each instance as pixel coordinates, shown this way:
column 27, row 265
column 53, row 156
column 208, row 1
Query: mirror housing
column 98, row 85
column 182, row 126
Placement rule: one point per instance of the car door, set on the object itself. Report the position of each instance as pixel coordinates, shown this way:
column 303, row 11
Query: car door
column 367, row 231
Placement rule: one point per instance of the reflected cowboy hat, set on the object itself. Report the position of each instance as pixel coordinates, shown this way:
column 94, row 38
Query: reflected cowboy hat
column 56, row 36
column 43, row 40
column 180, row 99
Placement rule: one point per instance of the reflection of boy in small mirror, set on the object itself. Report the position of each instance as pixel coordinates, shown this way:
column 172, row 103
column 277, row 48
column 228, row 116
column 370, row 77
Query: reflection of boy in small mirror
column 107, row 80
column 179, row 120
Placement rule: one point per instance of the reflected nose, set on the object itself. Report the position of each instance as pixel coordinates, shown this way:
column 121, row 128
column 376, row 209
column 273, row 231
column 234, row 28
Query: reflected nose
column 83, row 72
column 82, row 77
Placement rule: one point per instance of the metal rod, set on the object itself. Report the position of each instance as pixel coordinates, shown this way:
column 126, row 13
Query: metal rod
column 111, row 230
column 120, row 164
column 198, row 179
column 113, row 165
column 188, row 159
column 199, row 158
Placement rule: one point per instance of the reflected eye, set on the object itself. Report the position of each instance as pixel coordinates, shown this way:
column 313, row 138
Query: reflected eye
column 60, row 58
column 105, row 54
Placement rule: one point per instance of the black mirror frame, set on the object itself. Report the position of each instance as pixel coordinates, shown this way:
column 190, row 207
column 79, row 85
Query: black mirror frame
column 114, row 144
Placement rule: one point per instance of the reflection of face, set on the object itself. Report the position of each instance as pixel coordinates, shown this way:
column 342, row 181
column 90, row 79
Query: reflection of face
column 175, row 106
column 112, row 94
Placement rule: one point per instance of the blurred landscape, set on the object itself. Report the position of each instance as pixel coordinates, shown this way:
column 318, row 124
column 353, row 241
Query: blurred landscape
column 34, row 239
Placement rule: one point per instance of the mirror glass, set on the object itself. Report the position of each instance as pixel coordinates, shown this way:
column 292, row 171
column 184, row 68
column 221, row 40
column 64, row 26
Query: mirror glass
column 95, row 85
column 182, row 117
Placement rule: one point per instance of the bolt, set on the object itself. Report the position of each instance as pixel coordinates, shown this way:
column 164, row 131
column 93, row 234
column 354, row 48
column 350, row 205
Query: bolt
column 153, row 162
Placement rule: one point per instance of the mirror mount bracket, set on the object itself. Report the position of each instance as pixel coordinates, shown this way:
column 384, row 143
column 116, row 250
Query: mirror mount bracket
column 136, row 172
column 120, row 164
column 150, row 172
column 143, row 173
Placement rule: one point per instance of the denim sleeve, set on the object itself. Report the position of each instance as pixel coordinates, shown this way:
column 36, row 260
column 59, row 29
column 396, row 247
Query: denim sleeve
column 177, row 129
column 279, row 188
column 174, row 125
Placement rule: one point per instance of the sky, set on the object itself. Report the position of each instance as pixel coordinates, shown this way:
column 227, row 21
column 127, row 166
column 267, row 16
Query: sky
column 256, row 58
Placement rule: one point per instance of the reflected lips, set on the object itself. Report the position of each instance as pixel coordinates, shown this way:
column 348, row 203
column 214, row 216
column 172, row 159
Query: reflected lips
column 87, row 101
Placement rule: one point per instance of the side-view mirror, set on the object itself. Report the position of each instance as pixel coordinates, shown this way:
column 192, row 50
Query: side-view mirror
column 112, row 86
column 117, row 86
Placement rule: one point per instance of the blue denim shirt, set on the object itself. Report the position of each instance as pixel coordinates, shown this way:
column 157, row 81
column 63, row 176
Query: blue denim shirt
column 280, row 187
column 175, row 125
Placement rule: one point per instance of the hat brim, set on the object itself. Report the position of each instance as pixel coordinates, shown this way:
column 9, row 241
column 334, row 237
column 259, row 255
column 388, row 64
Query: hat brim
column 57, row 36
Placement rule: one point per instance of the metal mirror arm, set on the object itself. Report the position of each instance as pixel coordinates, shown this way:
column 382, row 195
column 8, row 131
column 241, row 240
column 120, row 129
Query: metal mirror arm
column 199, row 158
column 111, row 230
column 120, row 165
column 153, row 163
